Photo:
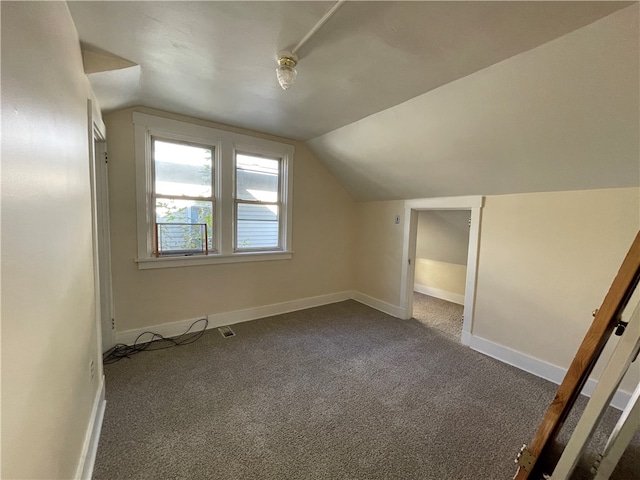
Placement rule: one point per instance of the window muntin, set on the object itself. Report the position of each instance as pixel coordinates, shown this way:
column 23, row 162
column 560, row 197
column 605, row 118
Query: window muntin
column 183, row 194
column 258, row 202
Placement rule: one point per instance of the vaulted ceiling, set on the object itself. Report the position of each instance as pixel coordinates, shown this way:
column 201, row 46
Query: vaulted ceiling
column 399, row 99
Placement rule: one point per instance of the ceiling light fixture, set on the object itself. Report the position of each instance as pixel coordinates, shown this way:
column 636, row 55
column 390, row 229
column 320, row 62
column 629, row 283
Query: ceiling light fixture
column 287, row 61
column 286, row 71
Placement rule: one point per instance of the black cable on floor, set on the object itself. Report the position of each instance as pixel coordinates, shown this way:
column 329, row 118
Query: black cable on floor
column 157, row 342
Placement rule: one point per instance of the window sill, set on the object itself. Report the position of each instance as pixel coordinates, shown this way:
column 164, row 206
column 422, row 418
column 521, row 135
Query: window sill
column 189, row 261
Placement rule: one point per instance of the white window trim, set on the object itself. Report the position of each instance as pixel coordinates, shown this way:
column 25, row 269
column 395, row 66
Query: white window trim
column 215, row 182
column 282, row 194
column 225, row 144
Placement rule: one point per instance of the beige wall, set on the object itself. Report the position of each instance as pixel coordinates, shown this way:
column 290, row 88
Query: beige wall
column 48, row 317
column 443, row 235
column 378, row 250
column 546, row 262
column 323, row 230
column 442, row 246
column 448, row 277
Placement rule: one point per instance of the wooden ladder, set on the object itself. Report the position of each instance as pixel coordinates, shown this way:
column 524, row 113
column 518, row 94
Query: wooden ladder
column 607, row 317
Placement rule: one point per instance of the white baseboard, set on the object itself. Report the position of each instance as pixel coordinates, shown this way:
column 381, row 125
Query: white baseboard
column 384, row 307
column 540, row 368
column 441, row 294
column 173, row 329
column 238, row 316
column 84, row 471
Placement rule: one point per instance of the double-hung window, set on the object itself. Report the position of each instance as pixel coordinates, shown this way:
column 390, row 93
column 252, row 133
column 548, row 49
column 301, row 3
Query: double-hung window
column 209, row 196
column 183, row 197
column 257, row 202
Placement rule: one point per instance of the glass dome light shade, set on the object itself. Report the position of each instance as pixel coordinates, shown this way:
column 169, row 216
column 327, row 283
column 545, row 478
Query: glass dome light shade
column 286, row 76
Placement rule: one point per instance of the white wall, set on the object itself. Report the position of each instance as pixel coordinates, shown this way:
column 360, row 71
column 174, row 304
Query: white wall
column 442, row 246
column 322, row 264
column 48, row 313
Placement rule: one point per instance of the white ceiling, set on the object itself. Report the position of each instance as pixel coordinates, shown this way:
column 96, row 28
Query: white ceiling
column 216, row 60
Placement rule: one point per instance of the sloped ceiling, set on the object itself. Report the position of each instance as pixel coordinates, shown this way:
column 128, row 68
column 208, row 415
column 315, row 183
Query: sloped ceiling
column 399, row 99
column 563, row 116
column 216, row 60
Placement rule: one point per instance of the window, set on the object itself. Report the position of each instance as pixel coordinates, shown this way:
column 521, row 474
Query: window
column 209, row 196
column 183, row 193
column 257, row 202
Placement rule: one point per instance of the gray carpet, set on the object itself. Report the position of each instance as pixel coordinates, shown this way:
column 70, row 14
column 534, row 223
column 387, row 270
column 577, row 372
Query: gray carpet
column 443, row 316
column 335, row 392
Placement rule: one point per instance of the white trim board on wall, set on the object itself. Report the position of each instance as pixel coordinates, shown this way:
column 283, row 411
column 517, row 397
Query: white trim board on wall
column 173, row 329
column 84, row 470
column 438, row 293
column 538, row 367
column 393, row 310
column 216, row 320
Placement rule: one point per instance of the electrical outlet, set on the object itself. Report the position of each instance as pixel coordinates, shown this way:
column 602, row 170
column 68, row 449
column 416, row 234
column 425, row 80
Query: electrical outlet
column 92, row 369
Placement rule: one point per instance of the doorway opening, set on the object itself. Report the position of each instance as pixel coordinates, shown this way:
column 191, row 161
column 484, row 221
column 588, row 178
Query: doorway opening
column 442, row 246
column 459, row 281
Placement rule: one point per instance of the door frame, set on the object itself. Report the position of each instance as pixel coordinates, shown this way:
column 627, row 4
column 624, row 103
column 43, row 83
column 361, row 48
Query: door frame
column 101, row 229
column 104, row 244
column 411, row 208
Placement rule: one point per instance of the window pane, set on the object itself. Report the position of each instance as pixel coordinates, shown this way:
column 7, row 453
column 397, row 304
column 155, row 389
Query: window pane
column 257, row 226
column 257, row 178
column 182, row 169
column 185, row 212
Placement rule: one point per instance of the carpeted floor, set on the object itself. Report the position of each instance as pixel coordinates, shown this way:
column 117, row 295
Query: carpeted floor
column 335, row 392
column 443, row 316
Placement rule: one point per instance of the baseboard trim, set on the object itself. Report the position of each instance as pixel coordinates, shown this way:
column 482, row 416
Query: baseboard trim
column 238, row 316
column 441, row 294
column 372, row 302
column 538, row 367
column 173, row 329
column 84, row 471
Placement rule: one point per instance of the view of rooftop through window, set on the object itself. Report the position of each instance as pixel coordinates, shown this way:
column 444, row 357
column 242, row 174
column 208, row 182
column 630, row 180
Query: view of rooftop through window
column 257, row 202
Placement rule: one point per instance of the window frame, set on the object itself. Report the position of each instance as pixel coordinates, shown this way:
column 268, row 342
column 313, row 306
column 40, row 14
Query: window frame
column 212, row 198
column 252, row 151
column 225, row 144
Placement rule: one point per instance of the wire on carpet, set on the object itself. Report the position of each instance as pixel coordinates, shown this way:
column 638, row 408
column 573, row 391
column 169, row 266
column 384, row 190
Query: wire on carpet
column 157, row 342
